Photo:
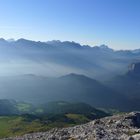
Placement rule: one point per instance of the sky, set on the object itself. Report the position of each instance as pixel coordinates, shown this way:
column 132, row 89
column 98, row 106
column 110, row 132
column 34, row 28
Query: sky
column 115, row 23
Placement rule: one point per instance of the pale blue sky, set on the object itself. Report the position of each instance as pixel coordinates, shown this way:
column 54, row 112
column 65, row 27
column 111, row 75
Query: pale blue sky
column 94, row 22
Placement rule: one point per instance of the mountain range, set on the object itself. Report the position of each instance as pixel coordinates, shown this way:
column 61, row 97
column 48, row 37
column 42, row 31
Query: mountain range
column 54, row 70
column 72, row 87
column 56, row 58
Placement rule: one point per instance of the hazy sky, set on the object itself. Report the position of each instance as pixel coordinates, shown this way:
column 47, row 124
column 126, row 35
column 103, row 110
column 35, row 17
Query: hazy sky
column 94, row 22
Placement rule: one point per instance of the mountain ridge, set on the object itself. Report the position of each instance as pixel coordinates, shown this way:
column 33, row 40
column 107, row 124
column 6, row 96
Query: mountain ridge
column 70, row 88
column 57, row 58
column 70, row 43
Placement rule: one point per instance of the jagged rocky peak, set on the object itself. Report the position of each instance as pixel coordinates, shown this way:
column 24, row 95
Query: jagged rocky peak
column 103, row 47
column 2, row 40
column 118, row 127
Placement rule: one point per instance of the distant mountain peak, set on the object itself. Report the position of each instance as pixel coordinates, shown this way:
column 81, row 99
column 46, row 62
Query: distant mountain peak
column 65, row 44
column 2, row 40
column 23, row 40
column 75, row 76
column 105, row 47
column 53, row 41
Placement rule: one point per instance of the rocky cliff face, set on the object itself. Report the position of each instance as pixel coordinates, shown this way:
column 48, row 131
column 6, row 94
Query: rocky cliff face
column 134, row 68
column 118, row 127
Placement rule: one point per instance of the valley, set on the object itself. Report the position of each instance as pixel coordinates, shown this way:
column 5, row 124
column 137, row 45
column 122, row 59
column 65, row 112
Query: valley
column 19, row 118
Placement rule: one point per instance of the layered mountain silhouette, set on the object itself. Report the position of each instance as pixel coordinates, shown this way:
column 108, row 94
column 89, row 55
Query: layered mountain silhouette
column 56, row 58
column 72, row 87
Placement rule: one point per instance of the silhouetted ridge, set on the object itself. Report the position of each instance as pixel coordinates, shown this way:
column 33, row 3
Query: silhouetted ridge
column 2, row 39
column 80, row 77
column 105, row 48
column 3, row 42
column 74, row 75
column 68, row 44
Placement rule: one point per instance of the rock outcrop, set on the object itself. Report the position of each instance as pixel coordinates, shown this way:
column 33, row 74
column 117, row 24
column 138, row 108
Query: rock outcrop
column 118, row 127
column 134, row 68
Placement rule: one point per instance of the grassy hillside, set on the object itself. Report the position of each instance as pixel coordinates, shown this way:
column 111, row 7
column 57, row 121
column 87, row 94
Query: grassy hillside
column 25, row 118
column 19, row 125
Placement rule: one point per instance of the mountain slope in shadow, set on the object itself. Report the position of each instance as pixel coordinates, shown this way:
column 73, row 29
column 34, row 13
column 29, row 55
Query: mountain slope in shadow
column 128, row 85
column 72, row 87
